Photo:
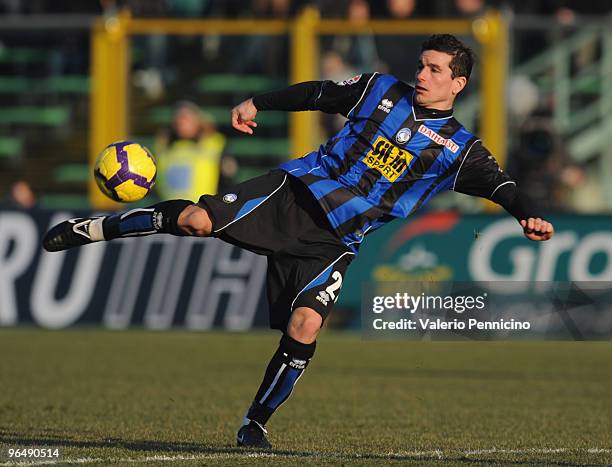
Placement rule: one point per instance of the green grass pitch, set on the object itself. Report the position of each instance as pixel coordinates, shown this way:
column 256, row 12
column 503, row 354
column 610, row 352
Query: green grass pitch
column 176, row 398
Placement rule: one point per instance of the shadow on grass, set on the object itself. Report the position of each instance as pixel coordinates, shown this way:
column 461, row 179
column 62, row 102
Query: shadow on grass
column 167, row 447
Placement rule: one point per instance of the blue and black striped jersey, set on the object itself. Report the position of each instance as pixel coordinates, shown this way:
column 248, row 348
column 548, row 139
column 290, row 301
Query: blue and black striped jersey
column 390, row 157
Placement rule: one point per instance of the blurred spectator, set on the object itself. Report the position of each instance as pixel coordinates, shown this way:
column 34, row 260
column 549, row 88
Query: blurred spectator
column 535, row 163
column 522, row 98
column 358, row 50
column 190, row 155
column 469, row 8
column 582, row 189
column 188, row 8
column 264, row 54
column 401, row 9
column 400, row 53
column 409, row 9
column 565, row 11
column 334, row 68
column 55, row 6
column 21, row 196
column 148, row 8
column 358, row 11
column 271, row 8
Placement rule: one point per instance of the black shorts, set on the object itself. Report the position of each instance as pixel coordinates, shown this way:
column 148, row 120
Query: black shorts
column 277, row 216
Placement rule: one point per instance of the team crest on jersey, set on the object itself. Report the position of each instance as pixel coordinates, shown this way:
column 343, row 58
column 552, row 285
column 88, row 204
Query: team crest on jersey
column 387, row 158
column 403, row 136
column 436, row 138
column 350, row 81
column 230, row 198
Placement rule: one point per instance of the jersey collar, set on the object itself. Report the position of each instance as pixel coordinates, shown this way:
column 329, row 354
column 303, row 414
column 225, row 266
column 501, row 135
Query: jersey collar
column 421, row 113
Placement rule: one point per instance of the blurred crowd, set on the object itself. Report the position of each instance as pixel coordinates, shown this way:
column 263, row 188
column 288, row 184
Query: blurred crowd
column 564, row 10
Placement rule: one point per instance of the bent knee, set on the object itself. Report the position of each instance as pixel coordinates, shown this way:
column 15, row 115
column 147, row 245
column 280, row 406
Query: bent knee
column 194, row 220
column 304, row 325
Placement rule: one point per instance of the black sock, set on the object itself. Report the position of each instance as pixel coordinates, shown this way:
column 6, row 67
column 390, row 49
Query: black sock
column 285, row 368
column 159, row 218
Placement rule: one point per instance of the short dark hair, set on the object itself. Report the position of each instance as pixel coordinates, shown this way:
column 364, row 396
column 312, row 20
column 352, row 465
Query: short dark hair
column 463, row 57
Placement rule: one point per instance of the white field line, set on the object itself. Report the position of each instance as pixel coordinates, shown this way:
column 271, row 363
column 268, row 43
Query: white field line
column 447, row 454
column 517, row 451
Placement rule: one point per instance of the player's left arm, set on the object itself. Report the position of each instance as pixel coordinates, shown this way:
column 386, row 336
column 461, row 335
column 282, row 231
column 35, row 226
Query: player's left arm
column 480, row 175
column 326, row 96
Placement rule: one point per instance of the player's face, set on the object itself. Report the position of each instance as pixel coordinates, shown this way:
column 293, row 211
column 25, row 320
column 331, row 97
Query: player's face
column 435, row 87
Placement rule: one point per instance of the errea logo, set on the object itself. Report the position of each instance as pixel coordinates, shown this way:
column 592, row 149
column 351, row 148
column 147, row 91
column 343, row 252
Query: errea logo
column 297, row 364
column 158, row 220
column 385, row 105
column 323, row 297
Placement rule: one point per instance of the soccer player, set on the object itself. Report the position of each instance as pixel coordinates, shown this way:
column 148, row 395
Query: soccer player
column 399, row 147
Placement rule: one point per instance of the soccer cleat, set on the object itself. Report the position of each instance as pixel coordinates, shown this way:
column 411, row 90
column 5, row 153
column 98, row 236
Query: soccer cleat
column 68, row 234
column 253, row 435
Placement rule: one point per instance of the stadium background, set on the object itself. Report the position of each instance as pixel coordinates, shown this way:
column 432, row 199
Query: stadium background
column 79, row 75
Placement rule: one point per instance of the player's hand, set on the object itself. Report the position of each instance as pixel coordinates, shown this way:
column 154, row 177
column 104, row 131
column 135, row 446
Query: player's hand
column 243, row 117
column 537, row 229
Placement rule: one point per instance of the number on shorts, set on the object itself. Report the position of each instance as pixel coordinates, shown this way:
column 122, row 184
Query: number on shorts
column 331, row 289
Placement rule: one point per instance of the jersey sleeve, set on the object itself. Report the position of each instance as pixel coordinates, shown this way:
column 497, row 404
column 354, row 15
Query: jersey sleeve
column 327, row 96
column 342, row 96
column 480, row 175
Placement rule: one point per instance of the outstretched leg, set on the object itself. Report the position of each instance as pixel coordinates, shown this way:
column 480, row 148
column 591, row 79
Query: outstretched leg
column 175, row 217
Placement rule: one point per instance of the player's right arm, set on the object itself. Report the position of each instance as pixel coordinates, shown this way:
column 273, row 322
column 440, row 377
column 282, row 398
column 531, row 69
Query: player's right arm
column 326, row 96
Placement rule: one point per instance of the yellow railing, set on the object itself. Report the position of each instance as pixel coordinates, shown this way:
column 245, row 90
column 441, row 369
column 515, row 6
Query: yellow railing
column 110, row 68
column 108, row 111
